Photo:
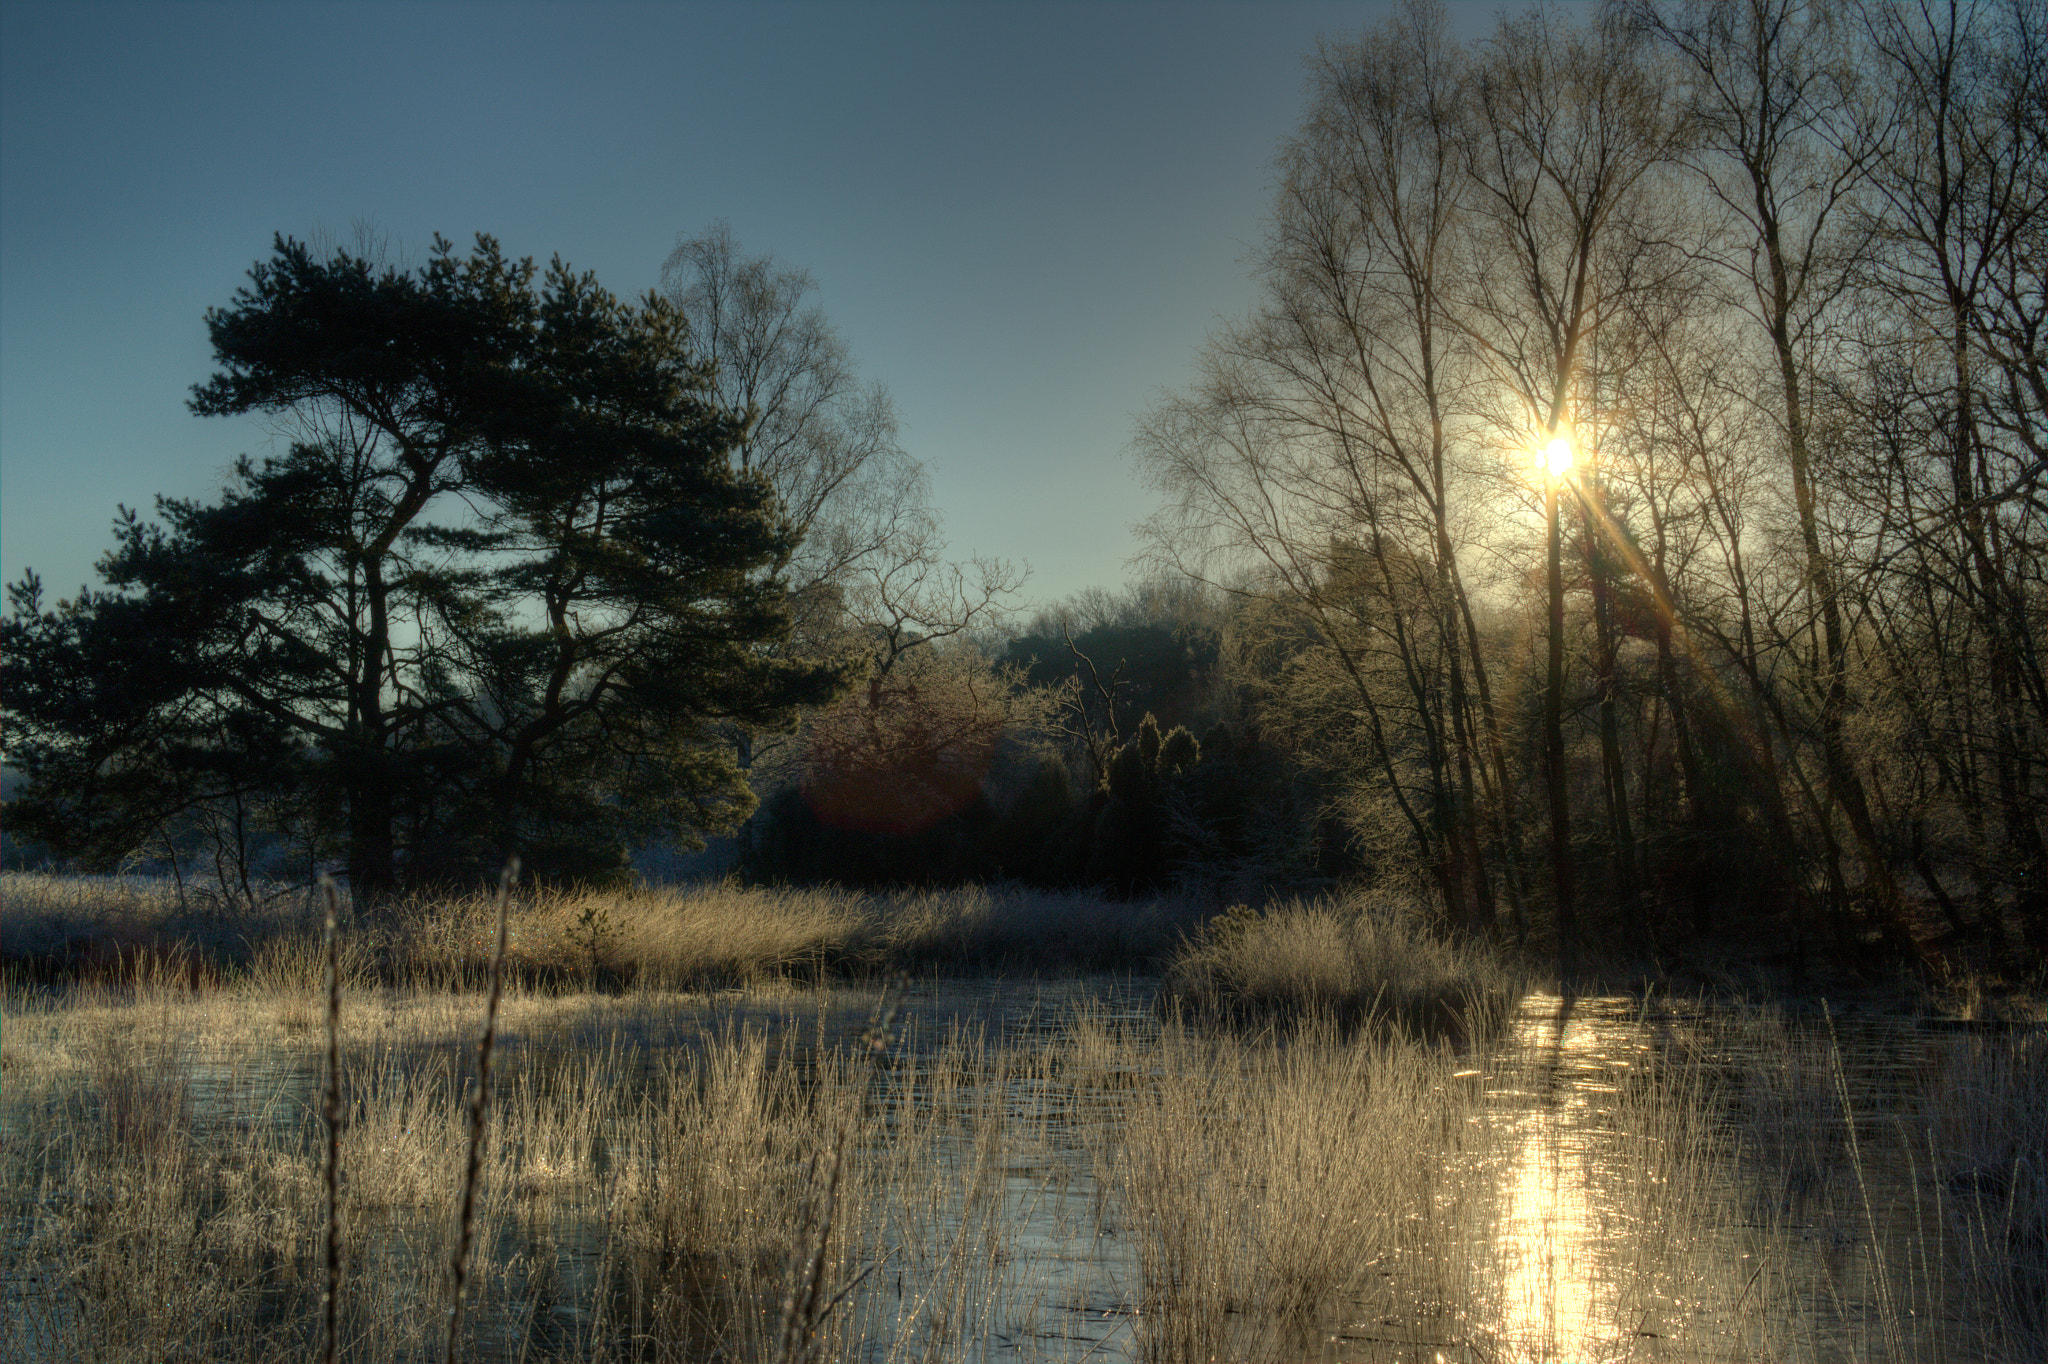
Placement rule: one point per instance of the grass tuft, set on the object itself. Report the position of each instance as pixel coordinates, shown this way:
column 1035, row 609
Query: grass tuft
column 1352, row 962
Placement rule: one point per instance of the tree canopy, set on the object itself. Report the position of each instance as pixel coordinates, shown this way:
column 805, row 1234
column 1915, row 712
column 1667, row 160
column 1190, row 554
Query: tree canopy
column 503, row 591
column 1773, row 272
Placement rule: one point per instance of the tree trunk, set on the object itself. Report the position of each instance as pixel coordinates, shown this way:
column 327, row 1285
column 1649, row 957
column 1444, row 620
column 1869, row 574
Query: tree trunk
column 1614, row 776
column 372, row 810
column 372, row 859
column 1555, row 777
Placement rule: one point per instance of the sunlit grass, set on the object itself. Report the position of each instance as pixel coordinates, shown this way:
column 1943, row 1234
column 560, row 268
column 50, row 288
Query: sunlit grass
column 711, row 936
column 1357, row 960
column 665, row 1164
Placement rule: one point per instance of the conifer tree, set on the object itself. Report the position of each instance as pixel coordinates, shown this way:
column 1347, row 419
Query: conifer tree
column 495, row 598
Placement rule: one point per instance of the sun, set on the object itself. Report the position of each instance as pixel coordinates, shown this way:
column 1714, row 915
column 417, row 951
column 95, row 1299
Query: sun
column 1557, row 456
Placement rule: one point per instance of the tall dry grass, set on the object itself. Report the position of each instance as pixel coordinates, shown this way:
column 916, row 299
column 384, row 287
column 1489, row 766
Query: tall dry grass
column 1931, row 1196
column 1983, row 1129
column 651, row 1195
column 711, row 936
column 1263, row 1186
column 1347, row 960
column 662, row 1184
column 1666, row 1199
column 668, row 1176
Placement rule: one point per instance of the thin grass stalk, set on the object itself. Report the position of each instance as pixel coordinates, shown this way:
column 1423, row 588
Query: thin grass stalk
column 479, row 1107
column 330, row 1110
column 801, row 1316
column 1887, row 1306
column 804, row 1308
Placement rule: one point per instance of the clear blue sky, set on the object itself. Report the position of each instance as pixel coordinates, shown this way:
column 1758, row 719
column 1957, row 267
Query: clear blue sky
column 1024, row 216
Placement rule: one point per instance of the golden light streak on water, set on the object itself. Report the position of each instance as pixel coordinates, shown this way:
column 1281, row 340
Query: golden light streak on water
column 1555, row 1303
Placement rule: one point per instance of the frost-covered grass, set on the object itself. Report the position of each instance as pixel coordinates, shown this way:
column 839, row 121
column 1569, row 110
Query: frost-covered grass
column 1353, row 960
column 664, row 1168
column 675, row 1171
column 721, row 934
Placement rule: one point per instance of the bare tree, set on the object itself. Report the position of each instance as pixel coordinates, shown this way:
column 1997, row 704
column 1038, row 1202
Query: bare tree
column 1473, row 250
column 824, row 440
column 1880, row 180
column 871, row 577
column 1779, row 272
column 1320, row 458
column 1571, row 133
column 1956, row 390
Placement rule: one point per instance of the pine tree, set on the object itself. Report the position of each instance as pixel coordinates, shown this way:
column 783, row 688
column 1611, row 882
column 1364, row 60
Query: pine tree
column 498, row 598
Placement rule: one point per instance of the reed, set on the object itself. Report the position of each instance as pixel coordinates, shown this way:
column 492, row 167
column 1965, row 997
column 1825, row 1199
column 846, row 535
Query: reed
column 1354, row 961
column 787, row 1173
column 1981, row 1131
column 330, row 1112
column 63, row 931
column 479, row 1114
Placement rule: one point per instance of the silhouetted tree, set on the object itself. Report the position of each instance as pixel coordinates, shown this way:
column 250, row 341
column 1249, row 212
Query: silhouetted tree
column 493, row 598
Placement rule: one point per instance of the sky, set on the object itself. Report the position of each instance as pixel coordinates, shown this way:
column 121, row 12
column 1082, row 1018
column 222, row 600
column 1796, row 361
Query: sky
column 1023, row 218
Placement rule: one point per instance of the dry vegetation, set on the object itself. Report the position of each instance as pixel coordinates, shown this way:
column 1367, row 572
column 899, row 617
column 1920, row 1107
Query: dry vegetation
column 714, row 936
column 668, row 1169
column 1356, row 960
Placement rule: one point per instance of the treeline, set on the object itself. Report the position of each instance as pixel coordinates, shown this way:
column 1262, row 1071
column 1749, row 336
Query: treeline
column 1625, row 502
column 1633, row 473
column 1626, row 499
column 1102, row 743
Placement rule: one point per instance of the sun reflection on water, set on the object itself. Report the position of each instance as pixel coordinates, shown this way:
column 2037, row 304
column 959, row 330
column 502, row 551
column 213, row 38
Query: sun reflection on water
column 1549, row 1287
column 1558, row 1297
